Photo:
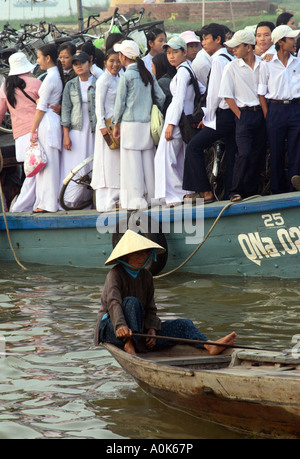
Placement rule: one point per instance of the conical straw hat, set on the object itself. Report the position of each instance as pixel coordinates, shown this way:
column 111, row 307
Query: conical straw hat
column 132, row 242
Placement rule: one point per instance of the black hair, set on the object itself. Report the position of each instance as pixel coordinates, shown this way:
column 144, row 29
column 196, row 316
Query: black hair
column 109, row 53
column 68, row 46
column 151, row 36
column 99, row 54
column 283, row 18
column 13, row 82
column 145, row 75
column 277, row 45
column 163, row 66
column 215, row 30
column 88, row 48
column 269, row 24
column 51, row 51
column 112, row 39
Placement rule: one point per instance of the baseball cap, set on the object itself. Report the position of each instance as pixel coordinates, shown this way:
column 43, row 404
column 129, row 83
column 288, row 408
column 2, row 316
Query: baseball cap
column 283, row 31
column 176, row 43
column 81, row 57
column 189, row 37
column 241, row 36
column 129, row 48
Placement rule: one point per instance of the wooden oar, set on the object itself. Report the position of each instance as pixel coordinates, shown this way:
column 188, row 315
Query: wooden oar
column 196, row 341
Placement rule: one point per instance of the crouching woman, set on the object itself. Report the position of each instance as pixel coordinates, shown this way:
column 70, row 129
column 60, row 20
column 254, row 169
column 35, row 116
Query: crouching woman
column 128, row 306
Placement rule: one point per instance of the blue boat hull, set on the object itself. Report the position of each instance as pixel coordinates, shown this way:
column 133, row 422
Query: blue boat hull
column 255, row 238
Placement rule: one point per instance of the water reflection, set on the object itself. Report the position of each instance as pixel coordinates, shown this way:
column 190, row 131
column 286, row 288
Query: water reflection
column 55, row 383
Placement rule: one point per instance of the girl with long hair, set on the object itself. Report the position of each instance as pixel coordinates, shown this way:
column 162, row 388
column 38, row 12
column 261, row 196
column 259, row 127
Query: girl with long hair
column 19, row 95
column 47, row 124
column 137, row 90
column 156, row 38
column 106, row 167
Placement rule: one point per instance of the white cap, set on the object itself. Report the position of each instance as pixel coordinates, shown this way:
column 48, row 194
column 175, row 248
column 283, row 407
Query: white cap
column 19, row 64
column 283, row 31
column 241, row 36
column 129, row 48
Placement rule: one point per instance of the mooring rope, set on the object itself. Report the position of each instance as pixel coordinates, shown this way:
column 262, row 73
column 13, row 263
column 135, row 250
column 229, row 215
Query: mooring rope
column 205, row 238
column 7, row 230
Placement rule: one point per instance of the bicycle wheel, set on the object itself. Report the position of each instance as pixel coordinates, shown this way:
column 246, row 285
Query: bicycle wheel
column 5, row 126
column 76, row 192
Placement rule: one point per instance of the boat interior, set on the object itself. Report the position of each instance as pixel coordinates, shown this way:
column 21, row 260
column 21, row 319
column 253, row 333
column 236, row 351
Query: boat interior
column 189, row 357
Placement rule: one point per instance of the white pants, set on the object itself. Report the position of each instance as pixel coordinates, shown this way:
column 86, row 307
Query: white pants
column 25, row 200
column 136, row 166
column 169, row 165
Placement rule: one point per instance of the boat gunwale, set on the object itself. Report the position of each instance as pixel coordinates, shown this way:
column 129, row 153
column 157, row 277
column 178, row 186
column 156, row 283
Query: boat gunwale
column 91, row 218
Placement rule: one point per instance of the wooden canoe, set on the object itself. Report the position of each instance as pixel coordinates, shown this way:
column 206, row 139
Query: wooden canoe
column 250, row 391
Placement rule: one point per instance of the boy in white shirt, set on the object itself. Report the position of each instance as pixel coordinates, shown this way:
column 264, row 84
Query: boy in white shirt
column 238, row 87
column 218, row 123
column 263, row 36
column 279, row 93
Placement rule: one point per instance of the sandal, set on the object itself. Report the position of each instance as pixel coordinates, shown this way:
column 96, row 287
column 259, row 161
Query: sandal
column 236, row 198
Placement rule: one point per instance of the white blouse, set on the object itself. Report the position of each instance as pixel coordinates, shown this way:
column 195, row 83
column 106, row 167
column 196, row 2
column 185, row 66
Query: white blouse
column 183, row 95
column 106, row 90
column 50, row 90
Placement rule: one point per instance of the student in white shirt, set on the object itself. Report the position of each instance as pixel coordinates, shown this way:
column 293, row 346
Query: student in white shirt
column 47, row 122
column 279, row 93
column 169, row 158
column 239, row 88
column 263, row 32
column 201, row 65
column 218, row 122
column 193, row 44
column 156, row 38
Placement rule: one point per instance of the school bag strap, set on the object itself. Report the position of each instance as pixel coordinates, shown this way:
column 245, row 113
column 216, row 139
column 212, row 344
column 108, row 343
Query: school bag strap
column 28, row 96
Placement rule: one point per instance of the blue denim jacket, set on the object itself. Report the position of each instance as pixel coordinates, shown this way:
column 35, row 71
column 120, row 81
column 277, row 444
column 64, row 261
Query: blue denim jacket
column 71, row 109
column 134, row 99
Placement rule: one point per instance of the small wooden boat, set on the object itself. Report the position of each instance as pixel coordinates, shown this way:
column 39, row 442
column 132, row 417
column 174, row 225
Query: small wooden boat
column 257, row 392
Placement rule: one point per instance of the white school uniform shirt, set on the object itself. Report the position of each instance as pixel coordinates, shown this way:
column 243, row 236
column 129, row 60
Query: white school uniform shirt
column 106, row 90
column 148, row 62
column 201, row 66
column 50, row 90
column 96, row 71
column 183, row 95
column 279, row 82
column 271, row 50
column 240, row 82
column 213, row 101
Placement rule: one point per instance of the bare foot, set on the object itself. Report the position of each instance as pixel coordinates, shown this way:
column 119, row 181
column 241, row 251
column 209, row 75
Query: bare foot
column 129, row 347
column 208, row 196
column 228, row 340
column 38, row 210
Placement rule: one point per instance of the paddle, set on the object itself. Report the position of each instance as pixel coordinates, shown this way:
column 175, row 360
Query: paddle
column 196, row 341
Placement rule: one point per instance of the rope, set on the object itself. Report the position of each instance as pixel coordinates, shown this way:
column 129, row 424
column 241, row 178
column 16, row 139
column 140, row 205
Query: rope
column 206, row 237
column 7, row 230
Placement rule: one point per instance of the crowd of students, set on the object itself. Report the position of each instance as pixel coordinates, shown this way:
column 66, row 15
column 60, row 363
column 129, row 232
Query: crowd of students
column 248, row 80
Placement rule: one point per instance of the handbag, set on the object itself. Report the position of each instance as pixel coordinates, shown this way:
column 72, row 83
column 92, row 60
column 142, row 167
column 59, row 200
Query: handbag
column 188, row 123
column 35, row 160
column 156, row 124
column 111, row 141
column 156, row 121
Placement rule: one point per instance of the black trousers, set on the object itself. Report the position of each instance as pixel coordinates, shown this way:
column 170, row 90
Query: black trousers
column 251, row 142
column 194, row 176
column 283, row 123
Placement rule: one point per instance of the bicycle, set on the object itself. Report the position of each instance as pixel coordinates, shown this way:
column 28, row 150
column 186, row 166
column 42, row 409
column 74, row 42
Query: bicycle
column 77, row 185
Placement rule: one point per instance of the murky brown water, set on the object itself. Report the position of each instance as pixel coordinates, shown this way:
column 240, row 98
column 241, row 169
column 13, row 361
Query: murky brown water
column 55, row 384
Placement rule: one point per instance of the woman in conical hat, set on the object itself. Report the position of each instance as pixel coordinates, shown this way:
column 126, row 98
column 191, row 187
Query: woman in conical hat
column 127, row 302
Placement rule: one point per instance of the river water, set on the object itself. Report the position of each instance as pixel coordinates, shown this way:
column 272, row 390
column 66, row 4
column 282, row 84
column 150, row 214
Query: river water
column 55, row 384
